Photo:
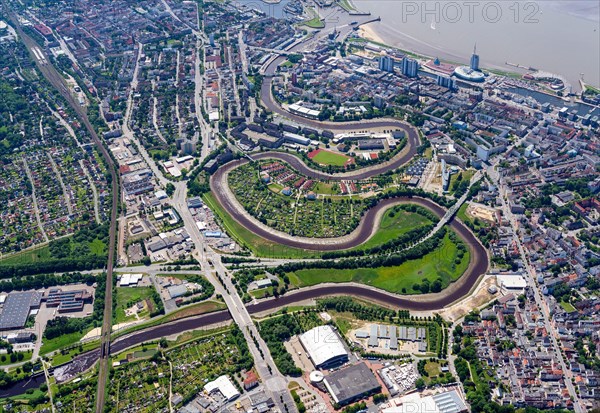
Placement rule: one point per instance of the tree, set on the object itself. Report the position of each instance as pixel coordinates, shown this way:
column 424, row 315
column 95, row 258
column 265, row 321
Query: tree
column 420, row 383
column 170, row 189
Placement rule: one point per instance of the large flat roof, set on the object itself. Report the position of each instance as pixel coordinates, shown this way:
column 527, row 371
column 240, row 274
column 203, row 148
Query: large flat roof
column 16, row 309
column 323, row 345
column 351, row 383
column 447, row 401
column 224, row 385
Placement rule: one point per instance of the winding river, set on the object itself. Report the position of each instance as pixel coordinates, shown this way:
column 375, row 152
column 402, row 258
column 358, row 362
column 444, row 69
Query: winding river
column 477, row 267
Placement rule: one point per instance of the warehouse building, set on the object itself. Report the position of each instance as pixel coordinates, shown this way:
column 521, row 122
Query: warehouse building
column 224, row 386
column 448, row 401
column 68, row 301
column 351, row 384
column 176, row 291
column 130, row 280
column 324, row 347
column 16, row 309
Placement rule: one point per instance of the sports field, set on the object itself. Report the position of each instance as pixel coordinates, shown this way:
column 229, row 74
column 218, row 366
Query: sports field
column 324, row 157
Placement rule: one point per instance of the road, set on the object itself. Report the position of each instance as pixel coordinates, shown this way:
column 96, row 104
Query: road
column 265, row 366
column 531, row 276
column 57, row 81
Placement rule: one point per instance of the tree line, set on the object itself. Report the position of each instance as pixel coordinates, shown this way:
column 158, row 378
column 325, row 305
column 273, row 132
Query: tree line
column 418, row 251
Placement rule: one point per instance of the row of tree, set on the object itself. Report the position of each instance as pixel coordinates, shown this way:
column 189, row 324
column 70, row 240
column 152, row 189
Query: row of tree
column 392, row 260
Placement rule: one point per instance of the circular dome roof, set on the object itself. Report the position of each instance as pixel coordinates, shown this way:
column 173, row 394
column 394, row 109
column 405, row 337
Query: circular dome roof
column 316, row 377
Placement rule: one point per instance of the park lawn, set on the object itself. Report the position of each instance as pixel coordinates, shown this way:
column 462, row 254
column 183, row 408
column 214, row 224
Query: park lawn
column 25, row 398
column 61, row 358
column 65, row 340
column 178, row 276
column 26, row 357
column 345, row 321
column 274, row 187
column 265, row 248
column 262, row 292
column 144, row 354
column 466, row 176
column 324, row 188
column 396, row 279
column 27, row 257
column 128, row 296
column 392, row 227
column 432, row 368
column 315, row 23
column 330, row 158
column 568, row 307
column 346, row 5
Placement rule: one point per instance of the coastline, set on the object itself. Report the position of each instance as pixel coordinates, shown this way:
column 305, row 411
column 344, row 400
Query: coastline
column 454, row 42
column 366, row 31
column 370, row 33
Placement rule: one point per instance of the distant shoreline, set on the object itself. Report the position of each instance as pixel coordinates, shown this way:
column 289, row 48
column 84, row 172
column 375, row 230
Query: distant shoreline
column 415, row 39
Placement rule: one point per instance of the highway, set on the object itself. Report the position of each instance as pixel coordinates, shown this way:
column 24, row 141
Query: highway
column 57, row 81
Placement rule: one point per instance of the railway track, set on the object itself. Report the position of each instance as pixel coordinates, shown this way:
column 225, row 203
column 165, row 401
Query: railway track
column 56, row 80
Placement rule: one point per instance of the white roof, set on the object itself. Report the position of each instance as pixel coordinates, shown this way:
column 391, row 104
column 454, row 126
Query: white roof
column 125, row 279
column 512, row 281
column 174, row 171
column 411, row 403
column 224, row 386
column 322, row 344
column 183, row 158
column 444, row 402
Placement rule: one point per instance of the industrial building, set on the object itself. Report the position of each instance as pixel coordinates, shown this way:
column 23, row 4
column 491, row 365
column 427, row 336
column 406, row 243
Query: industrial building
column 68, row 301
column 138, row 182
column 130, row 280
column 351, row 384
column 512, row 283
column 16, row 309
column 176, row 291
column 295, row 138
column 224, row 386
column 449, row 401
column 324, row 347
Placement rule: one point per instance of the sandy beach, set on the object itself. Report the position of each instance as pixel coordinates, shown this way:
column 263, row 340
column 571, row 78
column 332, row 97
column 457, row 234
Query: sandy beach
column 366, row 31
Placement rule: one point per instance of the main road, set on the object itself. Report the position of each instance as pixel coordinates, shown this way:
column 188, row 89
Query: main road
column 57, row 81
